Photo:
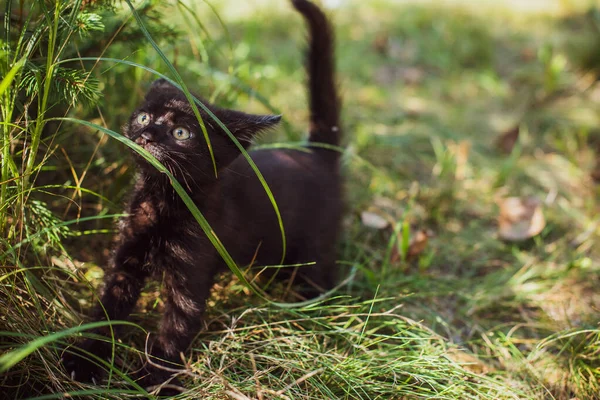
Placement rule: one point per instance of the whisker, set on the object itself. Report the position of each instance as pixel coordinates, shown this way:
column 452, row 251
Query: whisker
column 183, row 173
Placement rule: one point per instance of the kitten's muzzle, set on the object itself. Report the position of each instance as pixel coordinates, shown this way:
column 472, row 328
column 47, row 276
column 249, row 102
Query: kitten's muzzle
column 144, row 138
column 149, row 136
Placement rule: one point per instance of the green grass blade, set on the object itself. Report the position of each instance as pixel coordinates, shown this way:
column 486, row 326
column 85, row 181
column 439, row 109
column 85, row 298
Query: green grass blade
column 7, row 14
column 183, row 9
column 8, row 360
column 42, row 188
column 405, row 243
column 251, row 92
column 10, row 76
column 86, row 393
column 66, row 223
column 223, row 25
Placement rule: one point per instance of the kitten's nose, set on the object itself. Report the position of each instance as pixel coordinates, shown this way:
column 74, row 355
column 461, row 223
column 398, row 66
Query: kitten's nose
column 149, row 136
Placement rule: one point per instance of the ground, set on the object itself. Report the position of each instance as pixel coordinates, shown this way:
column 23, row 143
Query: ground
column 449, row 108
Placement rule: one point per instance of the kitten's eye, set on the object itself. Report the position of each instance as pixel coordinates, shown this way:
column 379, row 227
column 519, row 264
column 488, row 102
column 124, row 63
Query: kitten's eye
column 143, row 119
column 181, row 133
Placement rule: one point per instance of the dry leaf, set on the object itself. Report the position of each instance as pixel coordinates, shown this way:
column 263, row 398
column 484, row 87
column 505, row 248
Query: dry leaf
column 468, row 361
column 460, row 151
column 596, row 171
column 390, row 74
column 416, row 245
column 373, row 220
column 412, row 75
column 507, row 140
column 520, row 218
column 385, row 203
column 528, row 54
column 414, row 107
column 381, row 44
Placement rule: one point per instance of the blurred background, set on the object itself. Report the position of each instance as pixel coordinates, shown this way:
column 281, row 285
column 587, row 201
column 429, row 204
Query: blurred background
column 472, row 138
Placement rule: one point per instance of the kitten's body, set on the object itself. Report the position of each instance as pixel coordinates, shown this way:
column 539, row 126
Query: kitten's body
column 161, row 237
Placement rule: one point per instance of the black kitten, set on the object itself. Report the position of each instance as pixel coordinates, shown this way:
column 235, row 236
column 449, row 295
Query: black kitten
column 160, row 236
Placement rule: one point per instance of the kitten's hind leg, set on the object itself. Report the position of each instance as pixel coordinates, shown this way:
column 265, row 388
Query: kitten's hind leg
column 317, row 279
column 310, row 271
column 316, row 270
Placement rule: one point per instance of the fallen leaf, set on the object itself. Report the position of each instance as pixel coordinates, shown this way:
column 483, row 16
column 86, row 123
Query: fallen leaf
column 385, row 203
column 381, row 44
column 411, row 75
column 390, row 74
column 386, row 75
column 507, row 140
column 416, row 245
column 414, row 107
column 520, row 218
column 460, row 151
column 528, row 54
column 596, row 171
column 468, row 361
column 373, row 220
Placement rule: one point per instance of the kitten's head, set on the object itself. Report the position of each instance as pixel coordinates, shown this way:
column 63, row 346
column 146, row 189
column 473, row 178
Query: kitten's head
column 166, row 126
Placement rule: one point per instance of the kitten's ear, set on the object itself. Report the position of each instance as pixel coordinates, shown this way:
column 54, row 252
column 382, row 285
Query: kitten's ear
column 159, row 85
column 246, row 126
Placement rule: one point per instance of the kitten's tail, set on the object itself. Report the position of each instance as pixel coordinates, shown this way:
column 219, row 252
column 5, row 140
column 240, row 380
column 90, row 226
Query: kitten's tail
column 324, row 100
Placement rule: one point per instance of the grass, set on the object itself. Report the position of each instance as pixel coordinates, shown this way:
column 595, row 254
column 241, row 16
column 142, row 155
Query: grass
column 427, row 93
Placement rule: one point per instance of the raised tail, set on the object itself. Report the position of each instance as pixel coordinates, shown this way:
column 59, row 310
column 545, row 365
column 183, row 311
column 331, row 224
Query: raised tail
column 324, row 100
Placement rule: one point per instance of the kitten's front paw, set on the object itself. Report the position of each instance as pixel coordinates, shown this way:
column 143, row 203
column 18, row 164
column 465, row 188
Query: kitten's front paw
column 82, row 367
column 158, row 381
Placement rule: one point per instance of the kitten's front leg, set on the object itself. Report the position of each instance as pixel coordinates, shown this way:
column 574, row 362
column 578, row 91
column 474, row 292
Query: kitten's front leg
column 122, row 289
column 187, row 288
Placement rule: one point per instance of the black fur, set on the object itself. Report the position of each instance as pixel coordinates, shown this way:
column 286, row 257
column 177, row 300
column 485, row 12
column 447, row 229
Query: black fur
column 160, row 237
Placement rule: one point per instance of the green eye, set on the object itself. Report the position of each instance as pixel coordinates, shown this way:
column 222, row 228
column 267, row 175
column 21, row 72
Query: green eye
column 143, row 119
column 181, row 133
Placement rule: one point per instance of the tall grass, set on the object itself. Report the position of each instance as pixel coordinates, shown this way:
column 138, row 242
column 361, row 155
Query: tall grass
column 35, row 87
column 36, row 37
